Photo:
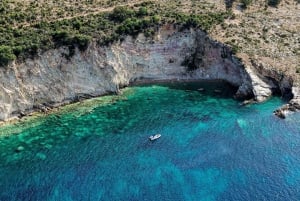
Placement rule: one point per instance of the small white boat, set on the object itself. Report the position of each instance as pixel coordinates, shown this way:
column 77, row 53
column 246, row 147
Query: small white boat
column 154, row 137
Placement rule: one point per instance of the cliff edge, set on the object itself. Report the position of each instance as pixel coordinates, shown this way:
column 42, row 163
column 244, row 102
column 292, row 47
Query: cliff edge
column 50, row 79
column 84, row 50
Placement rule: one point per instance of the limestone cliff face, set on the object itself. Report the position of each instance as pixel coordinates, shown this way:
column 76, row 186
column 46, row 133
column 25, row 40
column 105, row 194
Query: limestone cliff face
column 50, row 79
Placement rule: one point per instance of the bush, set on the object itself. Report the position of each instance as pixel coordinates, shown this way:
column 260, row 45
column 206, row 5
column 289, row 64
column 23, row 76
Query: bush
column 191, row 22
column 2, row 9
column 44, row 33
column 82, row 41
column 18, row 50
column 234, row 49
column 6, row 55
column 120, row 14
column 142, row 11
column 61, row 37
column 149, row 32
column 33, row 49
column 77, row 24
column 245, row 3
column 130, row 26
column 229, row 4
column 71, row 41
column 273, row 3
column 156, row 19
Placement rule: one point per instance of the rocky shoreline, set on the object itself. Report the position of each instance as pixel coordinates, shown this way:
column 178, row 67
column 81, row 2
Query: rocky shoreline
column 293, row 106
column 51, row 80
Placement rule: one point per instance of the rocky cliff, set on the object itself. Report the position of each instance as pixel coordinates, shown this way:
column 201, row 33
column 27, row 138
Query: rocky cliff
column 51, row 79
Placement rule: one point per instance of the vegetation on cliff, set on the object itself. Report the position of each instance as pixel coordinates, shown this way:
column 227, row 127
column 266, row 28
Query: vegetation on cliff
column 6, row 55
column 26, row 31
column 266, row 31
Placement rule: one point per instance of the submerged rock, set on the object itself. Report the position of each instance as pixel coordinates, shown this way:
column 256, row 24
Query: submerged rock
column 281, row 113
column 247, row 102
column 19, row 149
column 41, row 156
column 242, row 123
column 292, row 106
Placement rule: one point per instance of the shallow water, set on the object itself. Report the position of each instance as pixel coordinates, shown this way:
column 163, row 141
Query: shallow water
column 211, row 149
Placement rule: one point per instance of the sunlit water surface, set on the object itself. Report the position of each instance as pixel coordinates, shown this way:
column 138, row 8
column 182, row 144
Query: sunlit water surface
column 211, row 148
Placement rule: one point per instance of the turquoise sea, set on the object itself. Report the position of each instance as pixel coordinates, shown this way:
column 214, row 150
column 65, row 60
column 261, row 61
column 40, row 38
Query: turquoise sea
column 211, row 149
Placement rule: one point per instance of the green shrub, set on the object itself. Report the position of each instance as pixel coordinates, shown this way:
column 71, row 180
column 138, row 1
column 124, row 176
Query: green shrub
column 77, row 24
column 82, row 41
column 204, row 22
column 120, row 14
column 131, row 26
column 71, row 41
column 61, row 37
column 6, row 55
column 2, row 9
column 142, row 11
column 149, row 33
column 32, row 50
column 245, row 3
column 18, row 50
column 234, row 49
column 156, row 19
column 229, row 3
column 191, row 22
column 273, row 3
column 44, row 33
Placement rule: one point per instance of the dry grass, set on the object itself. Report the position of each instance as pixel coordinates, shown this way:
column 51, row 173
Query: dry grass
column 265, row 35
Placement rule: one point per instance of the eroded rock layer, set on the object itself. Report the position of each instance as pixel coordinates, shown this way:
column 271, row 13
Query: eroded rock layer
column 51, row 79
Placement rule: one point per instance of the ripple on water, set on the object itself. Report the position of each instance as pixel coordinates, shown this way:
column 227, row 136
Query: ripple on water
column 211, row 149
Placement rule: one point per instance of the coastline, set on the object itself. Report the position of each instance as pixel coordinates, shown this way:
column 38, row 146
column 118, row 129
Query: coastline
column 35, row 113
column 50, row 80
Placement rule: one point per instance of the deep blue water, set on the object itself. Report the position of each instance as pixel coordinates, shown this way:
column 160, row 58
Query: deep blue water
column 211, row 148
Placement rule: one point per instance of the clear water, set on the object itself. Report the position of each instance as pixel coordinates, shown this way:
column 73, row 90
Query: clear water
column 211, row 149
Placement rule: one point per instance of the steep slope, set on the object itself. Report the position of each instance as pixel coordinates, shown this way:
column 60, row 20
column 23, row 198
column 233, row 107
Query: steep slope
column 51, row 79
